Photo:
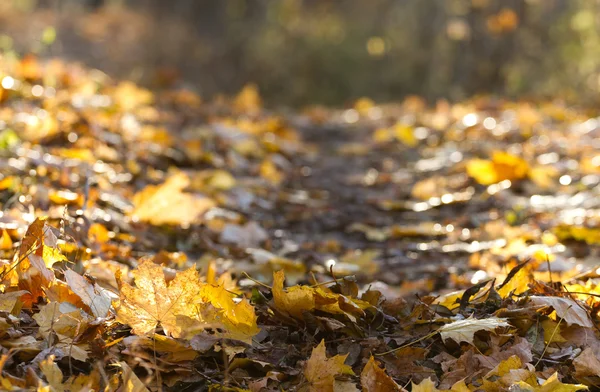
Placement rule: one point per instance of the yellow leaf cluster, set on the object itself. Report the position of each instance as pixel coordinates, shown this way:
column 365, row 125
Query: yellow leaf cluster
column 299, row 299
column 502, row 166
column 180, row 305
column 591, row 235
column 400, row 132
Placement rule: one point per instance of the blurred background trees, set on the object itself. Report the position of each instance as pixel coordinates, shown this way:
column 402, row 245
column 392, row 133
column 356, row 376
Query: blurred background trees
column 325, row 51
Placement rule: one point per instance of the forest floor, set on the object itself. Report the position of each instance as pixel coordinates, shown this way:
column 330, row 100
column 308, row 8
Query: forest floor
column 156, row 241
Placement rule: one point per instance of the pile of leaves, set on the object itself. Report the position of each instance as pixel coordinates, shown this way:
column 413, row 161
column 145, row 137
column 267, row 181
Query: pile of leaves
column 153, row 241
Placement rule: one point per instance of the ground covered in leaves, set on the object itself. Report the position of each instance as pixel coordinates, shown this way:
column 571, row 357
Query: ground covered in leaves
column 155, row 241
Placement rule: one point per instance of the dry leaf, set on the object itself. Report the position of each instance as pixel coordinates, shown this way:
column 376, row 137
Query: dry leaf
column 587, row 364
column 94, row 296
column 464, row 330
column 183, row 307
column 374, row 379
column 426, row 385
column 131, row 382
column 238, row 318
column 567, row 309
column 320, row 371
column 294, row 300
column 153, row 301
column 168, row 204
column 37, row 253
column 53, row 374
column 550, row 385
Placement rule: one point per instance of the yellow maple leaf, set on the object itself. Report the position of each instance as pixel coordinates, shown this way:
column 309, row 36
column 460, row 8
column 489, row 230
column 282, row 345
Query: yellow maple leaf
column 298, row 299
column 426, row 385
column 518, row 284
column 181, row 306
column 551, row 385
column 429, row 386
column 502, row 166
column 239, row 318
column 169, row 204
column 320, row 371
column 374, row 379
column 154, row 302
column 295, row 300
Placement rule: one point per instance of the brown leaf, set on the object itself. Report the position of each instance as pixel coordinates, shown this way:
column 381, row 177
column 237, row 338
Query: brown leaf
column 566, row 308
column 374, row 379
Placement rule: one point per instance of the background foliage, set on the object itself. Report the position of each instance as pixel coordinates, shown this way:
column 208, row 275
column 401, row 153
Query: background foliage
column 330, row 51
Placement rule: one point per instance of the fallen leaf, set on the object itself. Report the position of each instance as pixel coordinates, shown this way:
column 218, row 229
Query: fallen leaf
column 168, row 204
column 5, row 242
column 464, row 330
column 320, row 371
column 374, row 379
column 153, row 301
column 295, row 300
column 566, row 308
column 550, row 385
column 426, row 385
column 53, row 374
column 587, row 364
column 183, row 306
column 131, row 382
column 239, row 318
column 93, row 296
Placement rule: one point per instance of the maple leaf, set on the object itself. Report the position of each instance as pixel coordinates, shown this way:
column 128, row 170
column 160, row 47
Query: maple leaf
column 238, row 318
column 374, row 379
column 153, row 301
column 507, row 373
column 550, row 385
column 295, row 300
column 181, row 307
column 298, row 299
column 428, row 385
column 464, row 330
column 320, row 371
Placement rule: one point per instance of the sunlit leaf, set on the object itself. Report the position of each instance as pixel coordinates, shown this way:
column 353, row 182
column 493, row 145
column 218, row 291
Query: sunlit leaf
column 169, row 204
